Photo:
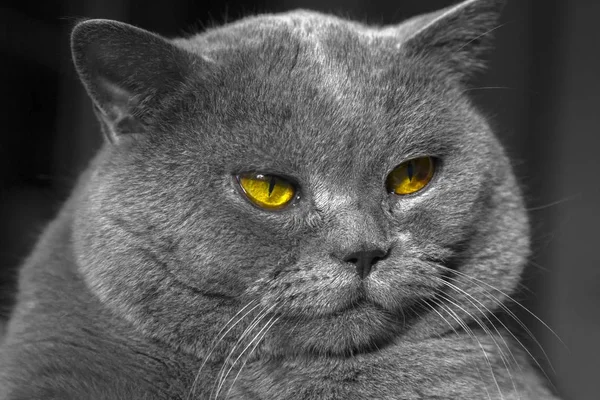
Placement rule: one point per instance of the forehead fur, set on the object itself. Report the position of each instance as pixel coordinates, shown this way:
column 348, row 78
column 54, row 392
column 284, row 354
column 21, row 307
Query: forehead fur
column 310, row 87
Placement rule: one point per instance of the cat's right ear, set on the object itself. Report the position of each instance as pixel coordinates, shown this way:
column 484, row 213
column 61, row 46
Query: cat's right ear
column 128, row 72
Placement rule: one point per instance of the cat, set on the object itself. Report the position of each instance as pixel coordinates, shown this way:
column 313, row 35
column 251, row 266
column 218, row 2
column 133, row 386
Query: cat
column 290, row 206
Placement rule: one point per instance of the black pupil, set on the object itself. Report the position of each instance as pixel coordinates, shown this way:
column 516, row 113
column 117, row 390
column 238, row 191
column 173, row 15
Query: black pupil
column 409, row 170
column 271, row 185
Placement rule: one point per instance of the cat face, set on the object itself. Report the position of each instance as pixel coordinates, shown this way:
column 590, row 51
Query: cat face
column 166, row 236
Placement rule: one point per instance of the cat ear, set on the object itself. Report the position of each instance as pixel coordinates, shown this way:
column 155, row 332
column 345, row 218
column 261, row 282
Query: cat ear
column 128, row 72
column 456, row 36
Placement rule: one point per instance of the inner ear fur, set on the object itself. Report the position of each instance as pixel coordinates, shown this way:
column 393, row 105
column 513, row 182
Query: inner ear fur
column 127, row 71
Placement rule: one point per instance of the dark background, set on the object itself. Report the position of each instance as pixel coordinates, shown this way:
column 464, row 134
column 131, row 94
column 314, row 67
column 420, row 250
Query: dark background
column 541, row 93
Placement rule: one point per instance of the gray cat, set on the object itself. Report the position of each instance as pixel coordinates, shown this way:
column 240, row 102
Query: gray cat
column 291, row 206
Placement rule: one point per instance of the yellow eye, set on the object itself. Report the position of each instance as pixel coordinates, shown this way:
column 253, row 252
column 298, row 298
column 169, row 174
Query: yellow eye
column 410, row 176
column 267, row 191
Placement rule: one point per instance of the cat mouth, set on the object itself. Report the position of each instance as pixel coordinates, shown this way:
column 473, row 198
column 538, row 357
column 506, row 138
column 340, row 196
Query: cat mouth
column 360, row 316
column 357, row 298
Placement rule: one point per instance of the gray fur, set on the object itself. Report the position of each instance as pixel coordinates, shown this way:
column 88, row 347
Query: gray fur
column 156, row 250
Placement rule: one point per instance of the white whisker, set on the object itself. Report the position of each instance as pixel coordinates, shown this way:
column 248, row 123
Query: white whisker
column 520, row 305
column 512, row 315
column 268, row 325
column 555, row 203
column 218, row 340
column 222, row 381
column 472, row 335
column 506, row 309
column 257, row 319
column 505, row 360
column 480, row 345
column 457, row 334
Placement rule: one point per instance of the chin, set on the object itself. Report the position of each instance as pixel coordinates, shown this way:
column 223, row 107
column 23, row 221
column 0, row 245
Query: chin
column 361, row 328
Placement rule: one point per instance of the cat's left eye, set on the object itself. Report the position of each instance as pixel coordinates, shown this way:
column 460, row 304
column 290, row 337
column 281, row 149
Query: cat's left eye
column 267, row 191
column 410, row 176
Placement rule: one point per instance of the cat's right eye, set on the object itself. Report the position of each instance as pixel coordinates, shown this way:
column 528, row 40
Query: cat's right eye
column 267, row 191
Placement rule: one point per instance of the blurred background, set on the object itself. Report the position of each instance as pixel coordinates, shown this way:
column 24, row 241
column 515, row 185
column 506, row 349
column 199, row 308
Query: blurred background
column 541, row 93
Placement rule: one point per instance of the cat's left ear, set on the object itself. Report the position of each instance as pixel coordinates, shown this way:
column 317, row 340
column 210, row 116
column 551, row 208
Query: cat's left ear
column 455, row 37
column 128, row 72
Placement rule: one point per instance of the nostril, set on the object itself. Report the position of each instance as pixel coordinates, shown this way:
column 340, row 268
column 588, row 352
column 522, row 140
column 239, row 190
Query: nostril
column 365, row 260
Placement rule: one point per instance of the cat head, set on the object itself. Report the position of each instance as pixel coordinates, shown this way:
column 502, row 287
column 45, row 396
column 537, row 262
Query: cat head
column 259, row 166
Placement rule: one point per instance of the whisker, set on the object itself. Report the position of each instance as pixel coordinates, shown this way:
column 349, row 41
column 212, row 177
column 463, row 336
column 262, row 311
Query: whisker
column 475, row 280
column 488, row 88
column 488, row 333
column 457, row 334
column 555, row 203
column 505, row 360
column 506, row 309
column 257, row 319
column 222, row 381
column 218, row 340
column 470, row 333
column 251, row 351
column 485, row 314
column 480, row 345
column 538, row 266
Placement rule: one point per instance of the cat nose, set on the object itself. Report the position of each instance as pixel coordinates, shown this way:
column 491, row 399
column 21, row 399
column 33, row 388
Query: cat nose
column 364, row 260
